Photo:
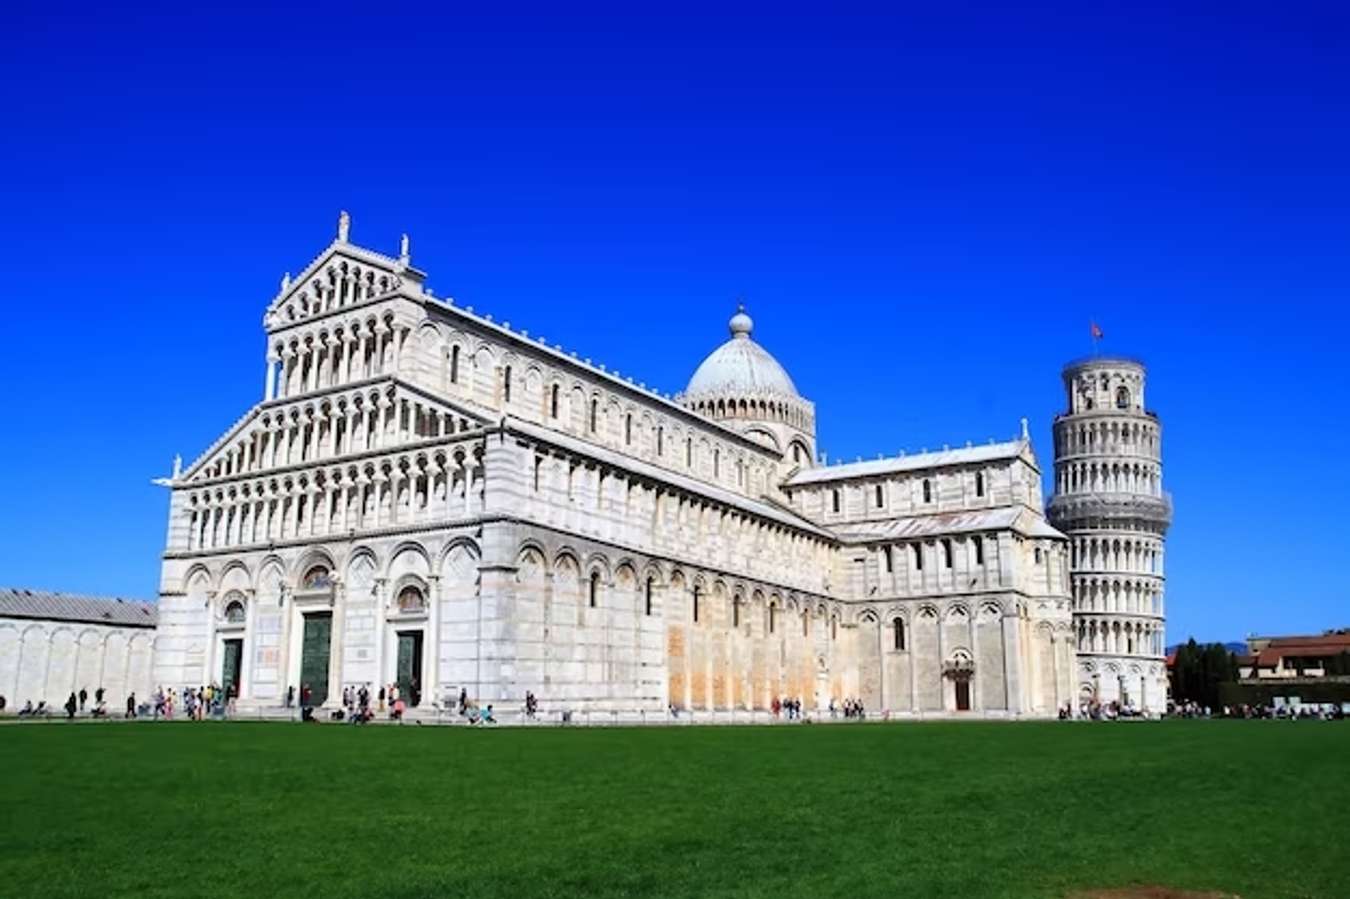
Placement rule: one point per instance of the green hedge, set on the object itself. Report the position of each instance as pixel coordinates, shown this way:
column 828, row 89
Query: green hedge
column 1264, row 692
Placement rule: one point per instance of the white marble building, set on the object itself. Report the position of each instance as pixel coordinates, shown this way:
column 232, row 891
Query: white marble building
column 1109, row 499
column 427, row 496
column 55, row 644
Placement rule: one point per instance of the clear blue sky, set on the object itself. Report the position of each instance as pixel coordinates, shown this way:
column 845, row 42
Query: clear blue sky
column 923, row 210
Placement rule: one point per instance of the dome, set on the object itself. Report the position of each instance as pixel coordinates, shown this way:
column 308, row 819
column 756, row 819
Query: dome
column 741, row 366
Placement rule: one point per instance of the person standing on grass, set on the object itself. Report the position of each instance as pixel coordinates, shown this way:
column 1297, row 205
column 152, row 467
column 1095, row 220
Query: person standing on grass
column 70, row 707
column 84, row 697
column 98, row 696
column 381, row 705
column 131, row 705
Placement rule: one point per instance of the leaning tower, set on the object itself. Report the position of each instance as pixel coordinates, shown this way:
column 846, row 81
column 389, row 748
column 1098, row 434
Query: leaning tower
column 1109, row 500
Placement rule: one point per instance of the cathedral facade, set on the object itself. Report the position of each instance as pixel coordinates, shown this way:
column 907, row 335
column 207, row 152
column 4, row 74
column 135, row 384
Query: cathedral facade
column 427, row 497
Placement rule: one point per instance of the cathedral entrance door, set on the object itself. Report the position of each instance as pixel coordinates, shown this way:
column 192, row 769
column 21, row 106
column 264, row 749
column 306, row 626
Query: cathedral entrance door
column 963, row 696
column 234, row 656
column 314, row 656
column 410, row 666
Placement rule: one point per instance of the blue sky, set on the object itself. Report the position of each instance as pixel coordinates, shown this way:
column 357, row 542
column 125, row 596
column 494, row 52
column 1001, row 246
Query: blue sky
column 922, row 209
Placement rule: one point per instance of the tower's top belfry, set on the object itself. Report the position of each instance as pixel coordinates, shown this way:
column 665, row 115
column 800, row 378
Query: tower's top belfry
column 1108, row 450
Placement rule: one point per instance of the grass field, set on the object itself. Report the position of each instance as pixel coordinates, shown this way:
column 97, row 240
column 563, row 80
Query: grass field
column 962, row 810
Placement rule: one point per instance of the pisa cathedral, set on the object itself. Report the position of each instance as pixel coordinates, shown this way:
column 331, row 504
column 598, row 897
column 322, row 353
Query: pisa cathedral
column 427, row 497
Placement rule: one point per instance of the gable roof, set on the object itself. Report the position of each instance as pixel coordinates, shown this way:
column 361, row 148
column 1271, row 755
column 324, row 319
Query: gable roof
column 940, row 459
column 917, row 527
column 16, row 602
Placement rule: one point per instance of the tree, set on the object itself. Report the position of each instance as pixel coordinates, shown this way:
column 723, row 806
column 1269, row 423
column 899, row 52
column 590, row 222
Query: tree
column 1199, row 669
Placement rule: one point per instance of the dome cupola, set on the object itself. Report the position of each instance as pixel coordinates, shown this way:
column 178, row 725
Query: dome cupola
column 741, row 366
column 743, row 386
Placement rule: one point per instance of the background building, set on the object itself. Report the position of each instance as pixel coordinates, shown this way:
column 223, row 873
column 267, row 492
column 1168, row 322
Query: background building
column 55, row 644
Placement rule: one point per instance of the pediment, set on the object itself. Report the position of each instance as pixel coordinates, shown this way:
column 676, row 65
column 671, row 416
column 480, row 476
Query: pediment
column 342, row 276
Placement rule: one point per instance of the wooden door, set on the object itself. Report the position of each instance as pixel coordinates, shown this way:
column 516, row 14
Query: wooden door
column 409, row 670
column 234, row 657
column 314, row 657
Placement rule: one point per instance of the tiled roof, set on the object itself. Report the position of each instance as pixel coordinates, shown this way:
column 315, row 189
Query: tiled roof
column 20, row 603
column 876, row 467
column 1304, row 647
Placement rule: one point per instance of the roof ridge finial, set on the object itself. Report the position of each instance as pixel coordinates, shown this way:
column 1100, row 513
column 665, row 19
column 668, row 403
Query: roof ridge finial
column 741, row 323
column 344, row 226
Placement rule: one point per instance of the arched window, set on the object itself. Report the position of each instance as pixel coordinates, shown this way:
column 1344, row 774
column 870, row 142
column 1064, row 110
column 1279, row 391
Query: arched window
column 660, row 440
column 979, row 483
column 410, row 599
column 717, row 463
column 918, row 557
column 979, row 550
column 454, row 365
column 806, row 622
column 773, row 616
column 898, row 626
column 1122, row 397
column 553, row 402
column 689, row 452
column 946, row 554
column 881, row 500
column 695, row 605
column 796, row 452
column 735, row 611
column 890, row 560
column 835, row 499
column 317, row 578
column 595, row 588
column 834, row 628
column 234, row 612
column 1038, row 555
column 506, row 384
column 648, row 596
column 628, row 429
column 927, row 490
column 595, row 414
column 538, row 464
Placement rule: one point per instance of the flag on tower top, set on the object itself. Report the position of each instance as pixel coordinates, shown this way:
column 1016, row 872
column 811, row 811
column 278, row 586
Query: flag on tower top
column 1096, row 331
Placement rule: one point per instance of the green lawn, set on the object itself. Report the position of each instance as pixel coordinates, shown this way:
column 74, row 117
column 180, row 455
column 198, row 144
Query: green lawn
column 919, row 810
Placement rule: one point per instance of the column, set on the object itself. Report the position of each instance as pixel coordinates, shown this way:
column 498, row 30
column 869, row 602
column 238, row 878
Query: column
column 271, row 390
